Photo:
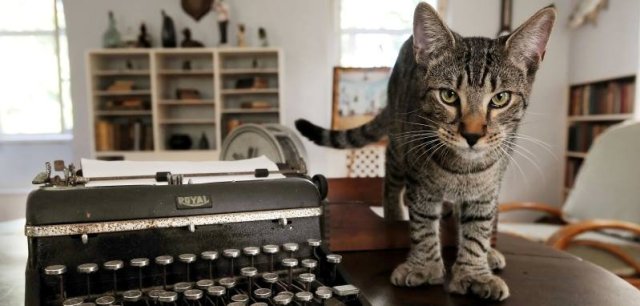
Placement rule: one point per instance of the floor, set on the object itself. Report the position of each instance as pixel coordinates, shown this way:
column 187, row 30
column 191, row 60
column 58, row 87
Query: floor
column 13, row 256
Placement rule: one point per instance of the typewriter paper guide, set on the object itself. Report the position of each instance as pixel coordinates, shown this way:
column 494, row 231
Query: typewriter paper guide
column 99, row 168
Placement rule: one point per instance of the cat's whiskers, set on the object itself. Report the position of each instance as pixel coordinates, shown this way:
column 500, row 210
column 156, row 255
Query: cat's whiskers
column 524, row 177
column 547, row 147
column 533, row 162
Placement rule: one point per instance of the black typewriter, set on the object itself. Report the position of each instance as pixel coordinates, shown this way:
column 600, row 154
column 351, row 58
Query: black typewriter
column 252, row 242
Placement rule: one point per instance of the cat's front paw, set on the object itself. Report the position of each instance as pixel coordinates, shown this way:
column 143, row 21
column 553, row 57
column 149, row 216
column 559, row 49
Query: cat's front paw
column 482, row 283
column 406, row 275
column 496, row 259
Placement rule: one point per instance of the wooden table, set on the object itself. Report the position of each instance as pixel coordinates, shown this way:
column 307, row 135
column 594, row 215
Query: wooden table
column 536, row 275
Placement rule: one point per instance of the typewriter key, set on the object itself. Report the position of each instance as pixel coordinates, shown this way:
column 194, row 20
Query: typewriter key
column 168, row 298
column 314, row 244
column 334, row 260
column 231, row 254
column 155, row 294
column 58, row 271
column 290, row 247
column 243, row 298
column 324, row 293
column 73, row 302
column 304, row 297
column 251, row 252
column 290, row 263
column 307, row 279
column 187, row 259
column 210, row 256
column 228, row 283
column 204, row 284
column 262, row 293
column 105, row 300
column 249, row 272
column 270, row 249
column 237, row 304
column 132, row 295
column 283, row 298
column 310, row 264
column 88, row 269
column 259, row 304
column 181, row 287
column 114, row 265
column 193, row 294
column 270, row 278
column 139, row 263
column 163, row 261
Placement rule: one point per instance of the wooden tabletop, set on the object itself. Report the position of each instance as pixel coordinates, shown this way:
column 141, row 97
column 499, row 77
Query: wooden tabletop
column 536, row 275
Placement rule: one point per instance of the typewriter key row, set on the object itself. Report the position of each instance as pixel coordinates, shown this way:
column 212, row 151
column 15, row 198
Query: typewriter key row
column 297, row 282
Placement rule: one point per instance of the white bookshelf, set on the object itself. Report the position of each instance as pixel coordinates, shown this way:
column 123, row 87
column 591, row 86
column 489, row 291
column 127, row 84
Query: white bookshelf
column 234, row 85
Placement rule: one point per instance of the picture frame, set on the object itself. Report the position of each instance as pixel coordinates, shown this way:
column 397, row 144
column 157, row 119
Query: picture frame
column 359, row 94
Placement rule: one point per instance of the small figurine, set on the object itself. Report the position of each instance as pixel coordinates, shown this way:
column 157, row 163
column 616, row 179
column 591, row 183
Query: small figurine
column 168, row 31
column 203, row 144
column 262, row 35
column 241, row 37
column 222, row 10
column 187, row 42
column 111, row 37
column 144, row 41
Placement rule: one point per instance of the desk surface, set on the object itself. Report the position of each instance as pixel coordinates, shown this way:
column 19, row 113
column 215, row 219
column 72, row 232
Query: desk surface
column 536, row 275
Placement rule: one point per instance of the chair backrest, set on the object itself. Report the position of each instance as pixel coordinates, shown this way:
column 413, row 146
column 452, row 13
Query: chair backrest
column 608, row 184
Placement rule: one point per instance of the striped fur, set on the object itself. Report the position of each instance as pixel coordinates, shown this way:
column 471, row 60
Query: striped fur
column 455, row 152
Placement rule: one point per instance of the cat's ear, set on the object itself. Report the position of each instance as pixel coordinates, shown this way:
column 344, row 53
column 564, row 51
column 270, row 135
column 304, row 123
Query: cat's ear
column 528, row 43
column 430, row 34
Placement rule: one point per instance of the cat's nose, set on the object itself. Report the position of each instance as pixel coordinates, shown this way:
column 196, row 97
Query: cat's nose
column 472, row 138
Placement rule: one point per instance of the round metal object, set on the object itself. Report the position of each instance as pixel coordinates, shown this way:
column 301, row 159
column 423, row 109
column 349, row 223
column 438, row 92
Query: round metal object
column 193, row 294
column 237, row 304
column 262, row 293
column 105, row 300
column 87, row 268
column 164, row 260
column 307, row 277
column 334, row 258
column 227, row 282
column 290, row 247
column 55, row 270
column 204, row 284
column 139, row 262
column 132, row 295
column 155, row 294
column 168, row 297
column 324, row 293
column 113, row 265
column 181, row 287
column 304, row 296
column 309, row 263
column 73, row 302
column 187, row 258
column 259, row 304
column 209, row 255
column 216, row 290
column 289, row 262
column 278, row 143
column 270, row 249
column 314, row 242
column 282, row 299
column 240, row 298
column 251, row 251
column 249, row 271
column 270, row 277
column 231, row 253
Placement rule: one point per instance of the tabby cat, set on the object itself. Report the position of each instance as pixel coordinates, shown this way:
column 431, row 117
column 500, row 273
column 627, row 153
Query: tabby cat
column 454, row 106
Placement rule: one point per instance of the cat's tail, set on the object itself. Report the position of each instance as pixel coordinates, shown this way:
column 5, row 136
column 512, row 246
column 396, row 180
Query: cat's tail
column 356, row 137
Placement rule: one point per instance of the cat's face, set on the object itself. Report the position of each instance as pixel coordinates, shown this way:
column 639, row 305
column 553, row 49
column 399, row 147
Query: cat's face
column 475, row 90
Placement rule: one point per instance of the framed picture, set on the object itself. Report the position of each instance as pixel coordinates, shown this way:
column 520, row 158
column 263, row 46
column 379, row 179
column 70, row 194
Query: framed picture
column 359, row 94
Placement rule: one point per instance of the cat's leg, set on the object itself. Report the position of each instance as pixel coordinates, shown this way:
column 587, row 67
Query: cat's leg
column 424, row 262
column 496, row 259
column 393, row 183
column 471, row 272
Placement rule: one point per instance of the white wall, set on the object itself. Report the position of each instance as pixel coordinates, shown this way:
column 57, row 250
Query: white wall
column 609, row 48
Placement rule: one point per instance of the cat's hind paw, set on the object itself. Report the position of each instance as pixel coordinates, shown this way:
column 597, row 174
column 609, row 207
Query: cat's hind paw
column 406, row 275
column 485, row 285
column 496, row 259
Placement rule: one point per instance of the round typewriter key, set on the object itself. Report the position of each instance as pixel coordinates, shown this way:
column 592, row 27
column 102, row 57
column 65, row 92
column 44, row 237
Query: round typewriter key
column 324, row 293
column 187, row 258
column 181, row 287
column 290, row 247
column 249, row 271
column 73, row 302
column 237, row 304
column 289, row 262
column 240, row 298
column 87, row 268
column 113, row 265
column 231, row 253
column 167, row 297
column 155, row 294
column 193, row 294
column 55, row 270
column 282, row 299
column 251, row 252
column 227, row 282
column 309, row 264
column 270, row 277
column 204, row 284
column 262, row 293
column 304, row 296
column 105, row 300
column 132, row 295
column 164, row 260
column 307, row 279
column 139, row 262
column 210, row 256
column 259, row 304
column 334, row 258
column 314, row 242
column 270, row 249
column 216, row 291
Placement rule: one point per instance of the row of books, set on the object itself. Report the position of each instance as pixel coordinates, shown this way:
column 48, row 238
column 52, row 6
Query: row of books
column 608, row 98
column 123, row 134
column 573, row 165
column 582, row 135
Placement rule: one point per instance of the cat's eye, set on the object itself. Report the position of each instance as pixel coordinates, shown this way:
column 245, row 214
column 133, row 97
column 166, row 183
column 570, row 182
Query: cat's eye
column 501, row 99
column 448, row 96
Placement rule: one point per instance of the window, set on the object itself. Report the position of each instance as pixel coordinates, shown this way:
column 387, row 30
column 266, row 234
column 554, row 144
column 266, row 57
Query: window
column 372, row 31
column 34, row 79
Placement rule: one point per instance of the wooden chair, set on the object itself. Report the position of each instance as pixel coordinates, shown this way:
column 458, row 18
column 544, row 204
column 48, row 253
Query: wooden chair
column 601, row 216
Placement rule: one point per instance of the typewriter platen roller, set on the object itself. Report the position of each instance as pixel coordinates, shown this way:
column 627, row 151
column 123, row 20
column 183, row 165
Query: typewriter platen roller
column 252, row 242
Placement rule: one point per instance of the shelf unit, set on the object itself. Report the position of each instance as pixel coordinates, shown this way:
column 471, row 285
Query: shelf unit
column 220, row 88
column 594, row 107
